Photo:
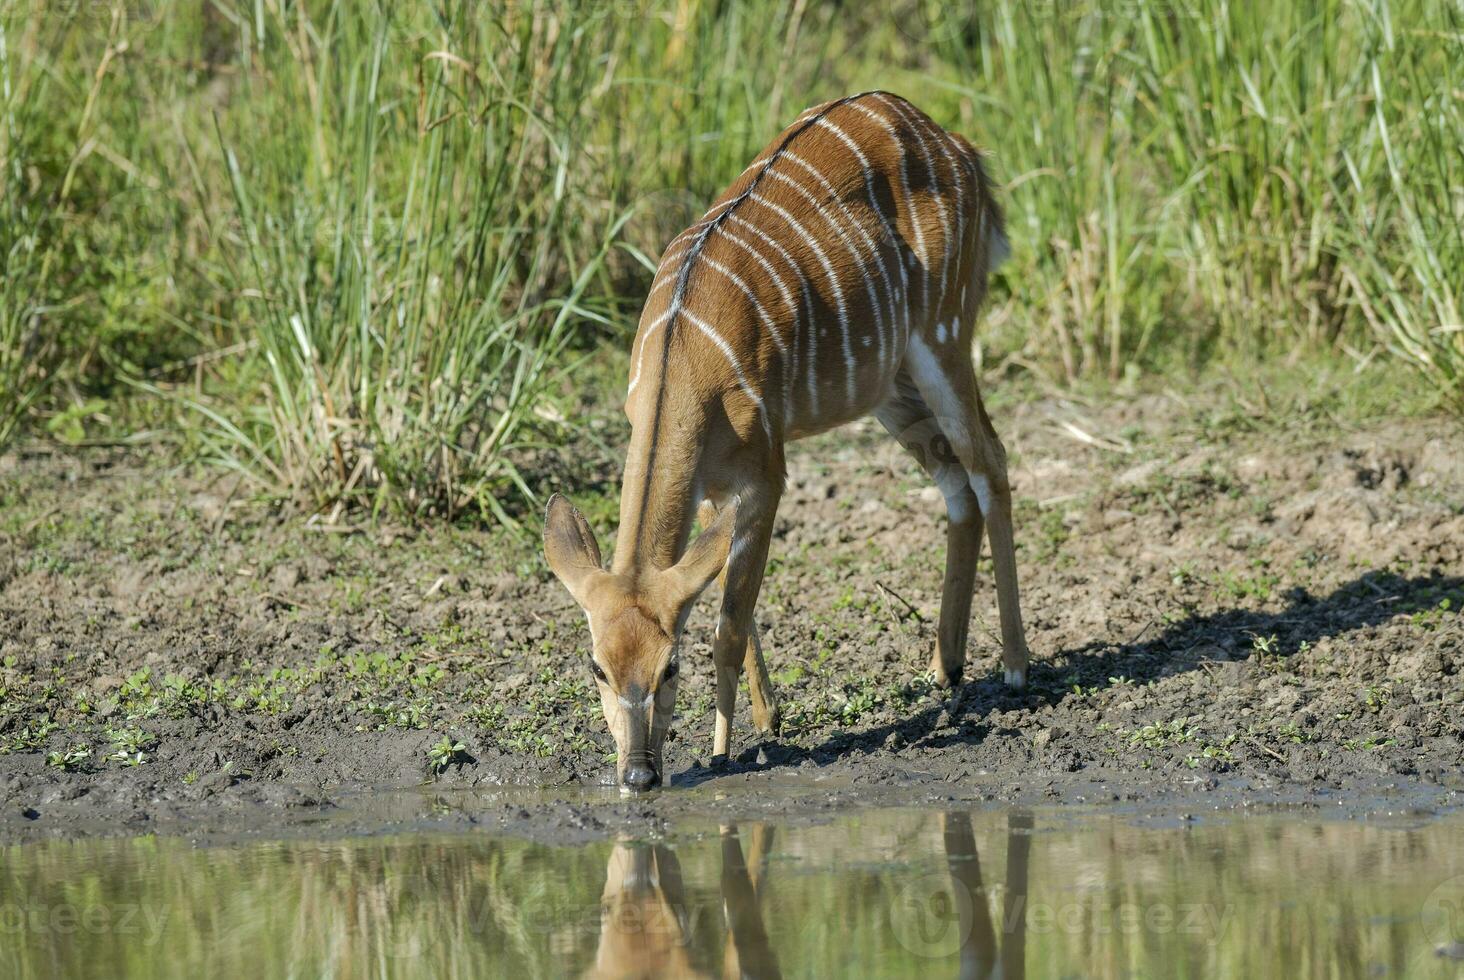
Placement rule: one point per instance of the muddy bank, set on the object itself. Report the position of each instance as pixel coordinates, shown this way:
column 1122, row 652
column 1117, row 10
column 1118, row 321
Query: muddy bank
column 1223, row 604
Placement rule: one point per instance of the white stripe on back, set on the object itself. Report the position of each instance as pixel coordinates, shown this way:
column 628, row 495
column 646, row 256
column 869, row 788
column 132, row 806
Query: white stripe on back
column 874, row 249
column 808, row 325
column 939, row 199
column 767, row 323
column 839, row 306
column 847, row 243
column 910, row 202
column 645, row 337
column 731, row 355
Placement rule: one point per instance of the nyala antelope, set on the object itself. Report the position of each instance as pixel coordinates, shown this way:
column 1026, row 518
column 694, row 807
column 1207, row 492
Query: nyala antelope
column 840, row 275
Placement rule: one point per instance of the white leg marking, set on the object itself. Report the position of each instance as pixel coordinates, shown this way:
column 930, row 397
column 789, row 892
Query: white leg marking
column 957, row 509
column 939, row 395
column 983, row 492
column 1016, row 679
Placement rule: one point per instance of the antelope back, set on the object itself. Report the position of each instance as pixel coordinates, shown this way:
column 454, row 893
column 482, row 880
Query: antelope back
column 795, row 297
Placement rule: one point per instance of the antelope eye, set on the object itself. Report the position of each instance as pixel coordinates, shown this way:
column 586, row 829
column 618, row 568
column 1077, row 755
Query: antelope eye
column 597, row 671
column 672, row 669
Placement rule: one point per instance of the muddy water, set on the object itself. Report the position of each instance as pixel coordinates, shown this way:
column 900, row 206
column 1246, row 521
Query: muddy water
column 892, row 893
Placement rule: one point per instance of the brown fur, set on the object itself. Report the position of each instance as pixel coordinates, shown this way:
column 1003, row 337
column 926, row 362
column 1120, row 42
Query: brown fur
column 743, row 347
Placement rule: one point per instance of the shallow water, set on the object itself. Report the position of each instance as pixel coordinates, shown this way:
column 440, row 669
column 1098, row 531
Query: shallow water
column 889, row 893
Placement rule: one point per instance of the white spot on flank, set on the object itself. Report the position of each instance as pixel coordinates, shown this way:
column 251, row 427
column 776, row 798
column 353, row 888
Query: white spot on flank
column 983, row 493
column 926, row 372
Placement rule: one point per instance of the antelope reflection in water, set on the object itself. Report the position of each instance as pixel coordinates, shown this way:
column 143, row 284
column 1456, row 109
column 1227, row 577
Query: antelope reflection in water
column 645, row 926
column 983, row 952
column 645, row 929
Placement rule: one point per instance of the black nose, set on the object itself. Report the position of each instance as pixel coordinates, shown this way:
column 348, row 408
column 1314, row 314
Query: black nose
column 641, row 778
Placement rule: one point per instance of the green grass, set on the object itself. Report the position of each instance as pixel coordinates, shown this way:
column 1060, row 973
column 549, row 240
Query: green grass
column 369, row 254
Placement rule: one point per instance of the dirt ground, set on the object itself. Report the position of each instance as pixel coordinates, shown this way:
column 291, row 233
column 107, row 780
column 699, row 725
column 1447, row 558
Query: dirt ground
column 1226, row 600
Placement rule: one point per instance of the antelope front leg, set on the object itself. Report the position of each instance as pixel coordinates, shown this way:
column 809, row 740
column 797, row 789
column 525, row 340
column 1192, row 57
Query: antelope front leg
column 764, row 700
column 735, row 643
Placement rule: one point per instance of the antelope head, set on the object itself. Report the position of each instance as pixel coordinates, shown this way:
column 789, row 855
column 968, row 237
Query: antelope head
column 636, row 618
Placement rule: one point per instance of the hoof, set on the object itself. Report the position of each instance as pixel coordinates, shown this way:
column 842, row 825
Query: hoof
column 945, row 681
column 1016, row 679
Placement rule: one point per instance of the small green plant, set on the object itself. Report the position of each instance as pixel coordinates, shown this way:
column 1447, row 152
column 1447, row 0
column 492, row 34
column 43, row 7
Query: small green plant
column 1376, row 698
column 1218, row 753
column 128, row 745
column 69, row 759
column 1366, row 744
column 1267, row 650
column 444, row 753
column 1162, row 734
column 1291, row 732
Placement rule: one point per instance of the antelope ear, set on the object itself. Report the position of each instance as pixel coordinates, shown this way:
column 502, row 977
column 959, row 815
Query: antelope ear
column 570, row 547
column 685, row 580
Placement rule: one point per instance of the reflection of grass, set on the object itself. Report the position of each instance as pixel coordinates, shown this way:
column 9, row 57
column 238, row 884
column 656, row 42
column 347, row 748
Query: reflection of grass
column 476, row 905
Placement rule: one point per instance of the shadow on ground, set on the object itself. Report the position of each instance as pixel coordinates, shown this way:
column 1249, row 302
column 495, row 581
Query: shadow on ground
column 1196, row 642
